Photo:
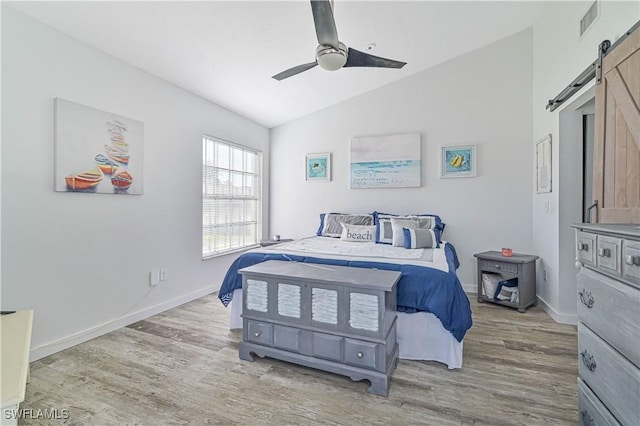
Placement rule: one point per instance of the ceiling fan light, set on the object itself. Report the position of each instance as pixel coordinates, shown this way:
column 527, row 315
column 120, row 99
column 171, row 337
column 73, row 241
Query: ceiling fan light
column 330, row 58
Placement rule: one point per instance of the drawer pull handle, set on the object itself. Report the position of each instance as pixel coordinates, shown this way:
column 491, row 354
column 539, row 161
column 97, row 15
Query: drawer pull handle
column 586, row 298
column 583, row 247
column 360, row 355
column 604, row 252
column 588, row 360
column 586, row 418
column 257, row 333
column 632, row 260
column 497, row 266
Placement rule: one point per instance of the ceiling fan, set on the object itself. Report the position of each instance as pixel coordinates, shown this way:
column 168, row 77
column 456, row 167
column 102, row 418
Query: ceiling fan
column 331, row 54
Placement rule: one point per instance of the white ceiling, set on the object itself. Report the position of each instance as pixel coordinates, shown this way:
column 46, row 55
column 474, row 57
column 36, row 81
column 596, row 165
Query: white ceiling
column 227, row 51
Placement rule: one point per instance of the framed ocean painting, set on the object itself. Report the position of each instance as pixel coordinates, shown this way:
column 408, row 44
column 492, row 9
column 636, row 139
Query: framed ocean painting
column 317, row 167
column 96, row 151
column 385, row 161
column 458, row 161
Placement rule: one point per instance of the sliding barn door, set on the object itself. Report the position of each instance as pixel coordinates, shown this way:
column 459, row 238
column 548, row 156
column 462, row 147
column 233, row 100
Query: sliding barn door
column 616, row 183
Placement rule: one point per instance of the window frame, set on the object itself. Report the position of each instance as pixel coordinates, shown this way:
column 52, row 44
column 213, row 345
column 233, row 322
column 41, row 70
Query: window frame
column 258, row 176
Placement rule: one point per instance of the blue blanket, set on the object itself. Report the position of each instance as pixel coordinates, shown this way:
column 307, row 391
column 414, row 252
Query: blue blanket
column 419, row 289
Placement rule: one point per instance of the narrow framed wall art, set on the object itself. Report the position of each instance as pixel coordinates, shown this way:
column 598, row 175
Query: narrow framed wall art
column 543, row 165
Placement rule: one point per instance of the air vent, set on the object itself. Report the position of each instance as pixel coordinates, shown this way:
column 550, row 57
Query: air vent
column 589, row 18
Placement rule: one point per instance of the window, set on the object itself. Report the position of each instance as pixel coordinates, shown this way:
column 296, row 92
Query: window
column 231, row 198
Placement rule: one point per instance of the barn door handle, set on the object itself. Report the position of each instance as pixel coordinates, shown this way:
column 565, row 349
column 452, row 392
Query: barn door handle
column 591, row 207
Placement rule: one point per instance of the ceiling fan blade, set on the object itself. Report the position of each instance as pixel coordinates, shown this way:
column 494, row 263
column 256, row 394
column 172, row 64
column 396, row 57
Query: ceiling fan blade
column 325, row 24
column 295, row 70
column 356, row 58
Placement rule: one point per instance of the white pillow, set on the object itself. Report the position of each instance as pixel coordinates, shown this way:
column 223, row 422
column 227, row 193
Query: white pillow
column 396, row 228
column 358, row 233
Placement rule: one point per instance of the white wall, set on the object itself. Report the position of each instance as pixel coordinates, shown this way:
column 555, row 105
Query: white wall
column 82, row 260
column 483, row 97
column 559, row 55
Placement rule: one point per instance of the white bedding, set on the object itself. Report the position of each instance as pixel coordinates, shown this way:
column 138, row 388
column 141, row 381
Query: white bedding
column 334, row 248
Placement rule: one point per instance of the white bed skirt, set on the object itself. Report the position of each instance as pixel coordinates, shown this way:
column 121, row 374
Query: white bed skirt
column 421, row 336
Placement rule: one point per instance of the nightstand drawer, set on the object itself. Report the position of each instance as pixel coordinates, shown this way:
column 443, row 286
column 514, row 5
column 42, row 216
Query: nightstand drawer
column 497, row 266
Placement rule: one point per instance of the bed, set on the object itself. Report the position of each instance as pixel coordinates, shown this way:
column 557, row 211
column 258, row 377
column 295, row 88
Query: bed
column 433, row 311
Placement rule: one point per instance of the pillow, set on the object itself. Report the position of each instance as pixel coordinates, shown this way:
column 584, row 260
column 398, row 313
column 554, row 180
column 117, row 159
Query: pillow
column 384, row 232
column 397, row 224
column 321, row 227
column 333, row 222
column 358, row 233
column 420, row 238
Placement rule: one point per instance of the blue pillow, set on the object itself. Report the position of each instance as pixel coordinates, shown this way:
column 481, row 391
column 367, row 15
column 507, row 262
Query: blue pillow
column 421, row 238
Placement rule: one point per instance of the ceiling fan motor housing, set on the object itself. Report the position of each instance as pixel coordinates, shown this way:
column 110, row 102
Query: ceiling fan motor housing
column 330, row 58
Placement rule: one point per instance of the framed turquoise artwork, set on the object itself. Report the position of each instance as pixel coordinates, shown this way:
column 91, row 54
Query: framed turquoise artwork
column 458, row 161
column 317, row 167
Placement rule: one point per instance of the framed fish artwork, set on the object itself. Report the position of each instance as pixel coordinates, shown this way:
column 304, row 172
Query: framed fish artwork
column 458, row 161
column 96, row 151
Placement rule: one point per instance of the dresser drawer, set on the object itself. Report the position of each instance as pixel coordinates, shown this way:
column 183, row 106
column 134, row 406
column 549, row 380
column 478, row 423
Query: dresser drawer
column 614, row 379
column 608, row 253
column 591, row 412
column 286, row 338
column 612, row 310
column 259, row 332
column 360, row 353
column 631, row 261
column 327, row 346
column 586, row 248
column 496, row 266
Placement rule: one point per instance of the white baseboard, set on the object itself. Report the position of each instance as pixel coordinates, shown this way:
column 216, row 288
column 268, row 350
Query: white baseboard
column 114, row 324
column 571, row 319
column 558, row 317
column 470, row 288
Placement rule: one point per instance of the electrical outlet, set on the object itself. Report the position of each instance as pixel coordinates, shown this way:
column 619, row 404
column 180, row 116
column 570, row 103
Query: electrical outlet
column 163, row 274
column 154, row 277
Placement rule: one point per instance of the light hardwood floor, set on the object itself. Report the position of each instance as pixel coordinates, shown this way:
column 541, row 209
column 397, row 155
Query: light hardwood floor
column 182, row 367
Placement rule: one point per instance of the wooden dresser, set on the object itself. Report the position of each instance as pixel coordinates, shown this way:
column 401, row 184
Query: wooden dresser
column 333, row 318
column 608, row 258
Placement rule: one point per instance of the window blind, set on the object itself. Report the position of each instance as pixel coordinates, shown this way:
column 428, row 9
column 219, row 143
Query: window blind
column 231, row 199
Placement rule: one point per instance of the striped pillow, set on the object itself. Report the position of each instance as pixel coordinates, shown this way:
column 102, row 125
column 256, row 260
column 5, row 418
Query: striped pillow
column 420, row 238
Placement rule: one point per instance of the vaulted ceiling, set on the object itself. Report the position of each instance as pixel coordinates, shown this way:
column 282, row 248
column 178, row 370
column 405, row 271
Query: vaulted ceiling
column 227, row 51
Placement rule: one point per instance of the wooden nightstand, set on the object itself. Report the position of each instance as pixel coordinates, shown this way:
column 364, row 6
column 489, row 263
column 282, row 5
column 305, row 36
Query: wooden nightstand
column 267, row 243
column 520, row 266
